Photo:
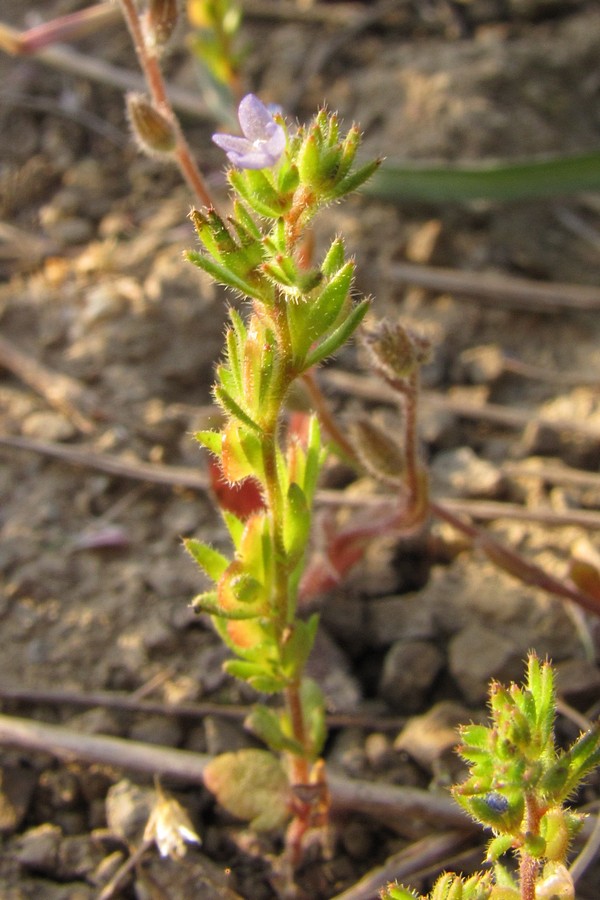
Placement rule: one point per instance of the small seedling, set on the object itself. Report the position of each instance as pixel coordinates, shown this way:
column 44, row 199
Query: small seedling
column 518, row 787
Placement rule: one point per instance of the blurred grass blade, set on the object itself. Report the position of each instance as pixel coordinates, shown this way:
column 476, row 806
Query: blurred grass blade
column 525, row 180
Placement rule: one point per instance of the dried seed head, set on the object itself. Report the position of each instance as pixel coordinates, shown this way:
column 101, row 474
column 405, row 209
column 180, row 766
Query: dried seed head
column 396, row 351
column 152, row 129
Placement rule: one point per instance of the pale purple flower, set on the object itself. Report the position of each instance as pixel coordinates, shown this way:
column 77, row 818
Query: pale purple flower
column 263, row 141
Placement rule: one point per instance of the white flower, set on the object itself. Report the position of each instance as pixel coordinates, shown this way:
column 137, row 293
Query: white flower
column 170, row 827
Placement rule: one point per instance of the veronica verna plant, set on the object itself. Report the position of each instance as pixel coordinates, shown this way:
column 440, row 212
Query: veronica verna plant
column 518, row 787
column 297, row 316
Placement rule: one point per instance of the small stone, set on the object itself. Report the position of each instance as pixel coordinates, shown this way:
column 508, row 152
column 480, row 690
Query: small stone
column 428, row 737
column 578, row 681
column 330, row 668
column 482, row 365
column 223, row 736
column 348, row 752
column 357, row 840
column 47, row 426
column 198, row 877
column 37, row 849
column 477, row 654
column 128, row 808
column 78, row 857
column 409, row 671
column 460, row 473
column 380, row 751
column 59, row 788
column 74, row 230
column 17, row 784
column 402, row 617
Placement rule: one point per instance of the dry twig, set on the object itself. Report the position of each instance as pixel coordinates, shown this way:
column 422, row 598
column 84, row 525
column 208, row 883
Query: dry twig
column 384, row 801
column 61, row 391
column 492, row 289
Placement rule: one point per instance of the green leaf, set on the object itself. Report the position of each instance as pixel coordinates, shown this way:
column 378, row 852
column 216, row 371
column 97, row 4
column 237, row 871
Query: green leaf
column 309, row 160
column 296, row 523
column 334, row 259
column 397, row 892
column 235, row 526
column 209, row 603
column 506, row 181
column 583, row 756
column 355, row 179
column 244, row 217
column 211, row 440
column 289, row 179
column 499, row 846
column 246, row 588
column 297, row 647
column 210, row 560
column 324, row 311
column 258, row 192
column 313, row 706
column 252, row 785
column 339, row 336
column 234, row 409
column 266, row 724
column 255, row 675
column 223, row 275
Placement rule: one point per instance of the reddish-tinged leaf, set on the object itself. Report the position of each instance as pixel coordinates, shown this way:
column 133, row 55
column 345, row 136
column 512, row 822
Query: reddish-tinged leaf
column 243, row 498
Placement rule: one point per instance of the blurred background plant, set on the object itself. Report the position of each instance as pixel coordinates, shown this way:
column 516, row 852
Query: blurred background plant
column 214, row 40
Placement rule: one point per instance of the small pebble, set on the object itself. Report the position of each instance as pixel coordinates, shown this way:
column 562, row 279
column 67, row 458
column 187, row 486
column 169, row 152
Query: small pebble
column 409, row 671
column 47, row 426
column 37, row 848
column 128, row 808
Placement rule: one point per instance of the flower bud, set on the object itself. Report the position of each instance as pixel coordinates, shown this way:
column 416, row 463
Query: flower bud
column 161, row 21
column 152, row 129
column 380, row 454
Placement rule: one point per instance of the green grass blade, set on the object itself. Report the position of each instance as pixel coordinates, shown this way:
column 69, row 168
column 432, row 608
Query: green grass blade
column 524, row 180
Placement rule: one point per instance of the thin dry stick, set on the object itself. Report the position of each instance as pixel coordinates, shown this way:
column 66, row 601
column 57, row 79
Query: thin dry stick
column 372, row 389
column 424, row 853
column 118, row 880
column 384, row 801
column 70, row 61
column 511, row 561
column 132, row 703
column 491, row 289
column 156, row 85
column 173, row 476
column 487, row 510
column 60, row 391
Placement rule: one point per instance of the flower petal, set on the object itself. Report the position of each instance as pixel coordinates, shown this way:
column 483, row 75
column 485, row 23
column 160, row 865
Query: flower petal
column 255, row 119
column 263, row 142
